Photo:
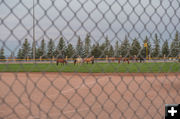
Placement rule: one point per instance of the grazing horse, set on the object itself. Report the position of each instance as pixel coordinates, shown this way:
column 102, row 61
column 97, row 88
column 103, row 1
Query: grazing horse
column 126, row 60
column 111, row 59
column 62, row 61
column 133, row 59
column 87, row 60
column 141, row 59
column 123, row 59
column 136, row 59
column 78, row 60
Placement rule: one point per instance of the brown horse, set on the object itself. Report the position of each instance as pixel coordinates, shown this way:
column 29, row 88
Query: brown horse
column 124, row 59
column 111, row 59
column 133, row 59
column 88, row 60
column 62, row 61
column 136, row 59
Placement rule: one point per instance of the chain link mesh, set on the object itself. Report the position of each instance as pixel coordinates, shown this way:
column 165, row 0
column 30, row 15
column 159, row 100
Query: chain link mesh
column 87, row 95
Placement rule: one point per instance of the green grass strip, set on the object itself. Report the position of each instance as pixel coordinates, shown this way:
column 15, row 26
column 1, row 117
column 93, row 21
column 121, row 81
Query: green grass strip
column 94, row 68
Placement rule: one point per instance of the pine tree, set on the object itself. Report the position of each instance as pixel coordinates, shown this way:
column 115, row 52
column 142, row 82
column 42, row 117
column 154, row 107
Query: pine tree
column 87, row 45
column 102, row 49
column 38, row 53
column 42, row 49
column 61, row 48
column 165, row 49
column 174, row 49
column 156, row 49
column 107, row 46
column 143, row 50
column 51, row 49
column 19, row 54
column 79, row 48
column 135, row 48
column 26, row 49
column 111, row 51
column 117, row 50
column 96, row 52
column 70, row 51
column 31, row 52
column 2, row 53
column 125, row 47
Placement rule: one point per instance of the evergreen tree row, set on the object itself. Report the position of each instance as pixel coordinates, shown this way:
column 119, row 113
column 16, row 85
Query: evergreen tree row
column 87, row 49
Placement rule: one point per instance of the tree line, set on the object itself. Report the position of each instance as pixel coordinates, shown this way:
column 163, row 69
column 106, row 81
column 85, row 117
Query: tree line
column 87, row 49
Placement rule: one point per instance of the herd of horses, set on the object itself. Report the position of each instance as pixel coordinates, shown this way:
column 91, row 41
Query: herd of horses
column 77, row 61
column 91, row 59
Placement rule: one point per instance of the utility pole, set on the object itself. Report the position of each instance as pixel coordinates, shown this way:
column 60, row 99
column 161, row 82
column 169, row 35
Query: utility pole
column 146, row 46
column 34, row 42
column 147, row 52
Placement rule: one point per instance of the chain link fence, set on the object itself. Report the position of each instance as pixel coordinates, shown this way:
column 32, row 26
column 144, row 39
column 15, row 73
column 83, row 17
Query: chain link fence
column 59, row 95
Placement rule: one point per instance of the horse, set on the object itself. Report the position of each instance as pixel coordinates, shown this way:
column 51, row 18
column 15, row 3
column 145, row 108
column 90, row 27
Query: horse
column 141, row 59
column 126, row 60
column 111, row 59
column 123, row 59
column 62, row 61
column 87, row 60
column 78, row 60
column 133, row 59
column 136, row 59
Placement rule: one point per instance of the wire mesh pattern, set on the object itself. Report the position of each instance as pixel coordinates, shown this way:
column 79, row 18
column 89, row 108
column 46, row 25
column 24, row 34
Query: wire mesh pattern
column 87, row 95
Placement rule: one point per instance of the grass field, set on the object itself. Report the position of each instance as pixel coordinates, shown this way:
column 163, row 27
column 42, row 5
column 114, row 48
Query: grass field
column 95, row 68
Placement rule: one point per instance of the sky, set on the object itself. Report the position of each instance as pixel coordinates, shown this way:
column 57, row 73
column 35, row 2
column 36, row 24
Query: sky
column 100, row 18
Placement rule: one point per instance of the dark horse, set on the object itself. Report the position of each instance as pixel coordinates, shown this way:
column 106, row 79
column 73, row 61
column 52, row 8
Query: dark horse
column 62, row 61
column 141, row 59
column 135, row 59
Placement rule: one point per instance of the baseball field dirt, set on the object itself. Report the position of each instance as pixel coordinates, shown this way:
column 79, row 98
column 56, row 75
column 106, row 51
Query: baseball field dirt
column 87, row 95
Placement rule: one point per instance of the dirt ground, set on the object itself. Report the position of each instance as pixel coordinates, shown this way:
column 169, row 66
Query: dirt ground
column 87, row 95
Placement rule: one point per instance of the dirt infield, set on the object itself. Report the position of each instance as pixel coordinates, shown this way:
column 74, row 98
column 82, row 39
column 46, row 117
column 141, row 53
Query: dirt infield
column 83, row 95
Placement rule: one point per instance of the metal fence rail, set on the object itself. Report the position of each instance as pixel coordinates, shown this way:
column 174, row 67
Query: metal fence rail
column 86, row 95
column 165, row 59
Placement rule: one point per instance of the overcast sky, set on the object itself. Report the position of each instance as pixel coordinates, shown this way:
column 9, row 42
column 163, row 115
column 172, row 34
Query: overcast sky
column 100, row 18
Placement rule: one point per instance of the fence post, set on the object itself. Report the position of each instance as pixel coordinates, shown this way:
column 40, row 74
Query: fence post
column 27, row 58
column 52, row 58
column 106, row 58
column 66, row 58
column 14, row 59
column 40, row 58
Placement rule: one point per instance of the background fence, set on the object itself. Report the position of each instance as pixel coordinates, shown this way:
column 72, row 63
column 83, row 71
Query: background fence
column 115, row 59
column 115, row 27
